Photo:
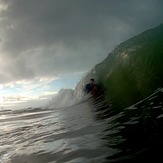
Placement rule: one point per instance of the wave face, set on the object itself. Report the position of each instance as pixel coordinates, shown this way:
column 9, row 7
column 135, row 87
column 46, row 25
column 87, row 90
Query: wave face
column 133, row 70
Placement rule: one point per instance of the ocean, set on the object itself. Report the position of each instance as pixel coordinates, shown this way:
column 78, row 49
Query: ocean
column 87, row 132
column 70, row 134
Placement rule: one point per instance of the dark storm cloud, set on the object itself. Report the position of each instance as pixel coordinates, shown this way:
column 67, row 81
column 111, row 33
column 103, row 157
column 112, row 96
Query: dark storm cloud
column 52, row 37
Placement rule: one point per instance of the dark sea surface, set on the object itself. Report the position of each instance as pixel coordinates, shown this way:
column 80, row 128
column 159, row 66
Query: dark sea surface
column 84, row 133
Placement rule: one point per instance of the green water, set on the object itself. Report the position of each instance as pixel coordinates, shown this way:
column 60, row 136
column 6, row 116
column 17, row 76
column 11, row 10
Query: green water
column 134, row 69
column 131, row 80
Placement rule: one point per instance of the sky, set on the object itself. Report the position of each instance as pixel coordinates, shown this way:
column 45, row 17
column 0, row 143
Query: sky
column 49, row 45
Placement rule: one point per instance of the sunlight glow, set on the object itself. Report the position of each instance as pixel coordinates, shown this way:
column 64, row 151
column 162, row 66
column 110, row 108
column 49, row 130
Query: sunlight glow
column 26, row 91
column 3, row 6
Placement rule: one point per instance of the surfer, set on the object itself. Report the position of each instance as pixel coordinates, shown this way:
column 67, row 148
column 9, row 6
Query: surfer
column 91, row 87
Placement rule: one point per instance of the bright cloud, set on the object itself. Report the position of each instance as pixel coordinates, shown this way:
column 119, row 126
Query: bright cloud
column 25, row 91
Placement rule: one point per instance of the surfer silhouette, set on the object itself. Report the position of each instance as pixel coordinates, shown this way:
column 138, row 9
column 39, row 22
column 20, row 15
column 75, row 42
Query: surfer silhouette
column 91, row 87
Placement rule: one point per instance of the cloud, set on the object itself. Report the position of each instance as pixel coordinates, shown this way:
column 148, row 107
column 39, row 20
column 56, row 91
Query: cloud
column 15, row 101
column 25, row 91
column 54, row 37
